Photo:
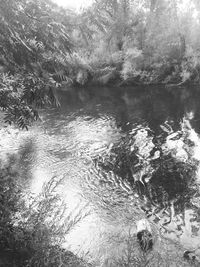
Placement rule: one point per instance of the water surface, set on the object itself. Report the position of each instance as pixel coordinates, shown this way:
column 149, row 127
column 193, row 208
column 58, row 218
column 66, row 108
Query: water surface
column 123, row 155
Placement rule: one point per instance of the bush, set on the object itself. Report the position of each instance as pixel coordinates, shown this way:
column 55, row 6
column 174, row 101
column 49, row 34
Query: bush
column 132, row 65
column 21, row 95
column 190, row 67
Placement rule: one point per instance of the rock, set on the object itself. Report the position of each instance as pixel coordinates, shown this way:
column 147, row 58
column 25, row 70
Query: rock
column 144, row 235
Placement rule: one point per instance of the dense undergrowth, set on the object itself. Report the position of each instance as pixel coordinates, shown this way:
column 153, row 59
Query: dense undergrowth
column 45, row 47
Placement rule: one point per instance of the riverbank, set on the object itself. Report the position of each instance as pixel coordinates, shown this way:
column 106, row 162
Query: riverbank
column 118, row 74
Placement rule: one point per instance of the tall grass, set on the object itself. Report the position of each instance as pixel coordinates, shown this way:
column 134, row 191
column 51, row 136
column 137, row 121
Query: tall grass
column 33, row 229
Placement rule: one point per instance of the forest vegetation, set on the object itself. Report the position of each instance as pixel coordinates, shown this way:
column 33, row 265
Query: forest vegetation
column 117, row 42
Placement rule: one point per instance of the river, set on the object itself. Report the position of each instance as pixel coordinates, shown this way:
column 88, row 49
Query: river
column 123, row 154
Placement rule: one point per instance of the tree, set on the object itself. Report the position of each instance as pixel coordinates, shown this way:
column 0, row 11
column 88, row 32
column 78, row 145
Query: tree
column 113, row 19
column 34, row 50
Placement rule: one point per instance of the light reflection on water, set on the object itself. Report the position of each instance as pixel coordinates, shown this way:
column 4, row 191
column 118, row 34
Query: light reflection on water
column 71, row 142
column 71, row 158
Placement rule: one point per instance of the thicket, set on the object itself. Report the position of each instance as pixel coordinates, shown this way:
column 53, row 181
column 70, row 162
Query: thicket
column 138, row 42
column 44, row 47
column 33, row 57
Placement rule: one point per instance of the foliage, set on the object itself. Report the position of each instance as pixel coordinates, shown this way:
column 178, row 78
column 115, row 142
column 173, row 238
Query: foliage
column 160, row 30
column 32, row 33
column 109, row 42
column 33, row 57
column 29, row 230
column 21, row 96
column 132, row 63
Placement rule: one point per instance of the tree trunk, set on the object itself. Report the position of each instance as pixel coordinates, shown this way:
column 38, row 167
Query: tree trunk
column 182, row 45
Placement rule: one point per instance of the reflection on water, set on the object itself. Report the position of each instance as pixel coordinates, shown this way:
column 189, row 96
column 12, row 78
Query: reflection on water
column 124, row 155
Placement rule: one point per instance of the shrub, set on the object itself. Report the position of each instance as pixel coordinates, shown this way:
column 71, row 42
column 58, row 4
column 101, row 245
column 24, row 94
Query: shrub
column 133, row 61
column 21, row 95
